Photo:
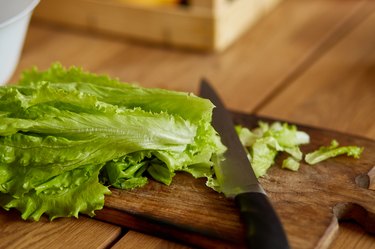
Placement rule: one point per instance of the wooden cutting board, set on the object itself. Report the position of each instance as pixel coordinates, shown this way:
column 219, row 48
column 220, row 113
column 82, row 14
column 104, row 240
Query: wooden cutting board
column 309, row 202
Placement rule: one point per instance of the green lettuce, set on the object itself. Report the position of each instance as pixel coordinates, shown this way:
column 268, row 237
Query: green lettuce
column 67, row 135
column 290, row 163
column 265, row 142
column 333, row 150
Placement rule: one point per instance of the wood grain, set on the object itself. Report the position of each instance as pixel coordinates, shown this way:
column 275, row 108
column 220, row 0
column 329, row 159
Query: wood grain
column 61, row 233
column 338, row 90
column 371, row 176
column 351, row 230
column 309, row 201
column 133, row 240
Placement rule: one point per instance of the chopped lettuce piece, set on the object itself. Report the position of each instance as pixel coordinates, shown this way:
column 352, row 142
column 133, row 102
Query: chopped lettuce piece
column 247, row 137
column 262, row 156
column 291, row 164
column 332, row 150
column 267, row 140
column 264, row 142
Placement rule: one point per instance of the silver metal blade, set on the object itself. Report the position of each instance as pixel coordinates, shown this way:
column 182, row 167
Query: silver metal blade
column 233, row 172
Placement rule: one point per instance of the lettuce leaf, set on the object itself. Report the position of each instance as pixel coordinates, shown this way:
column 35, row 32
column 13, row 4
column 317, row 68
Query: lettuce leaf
column 66, row 135
column 333, row 150
column 290, row 163
column 67, row 194
column 114, row 92
column 264, row 142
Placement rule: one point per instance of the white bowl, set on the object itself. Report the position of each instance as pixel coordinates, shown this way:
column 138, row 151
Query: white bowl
column 14, row 21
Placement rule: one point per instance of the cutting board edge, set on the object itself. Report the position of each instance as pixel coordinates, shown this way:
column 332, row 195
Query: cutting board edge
column 165, row 229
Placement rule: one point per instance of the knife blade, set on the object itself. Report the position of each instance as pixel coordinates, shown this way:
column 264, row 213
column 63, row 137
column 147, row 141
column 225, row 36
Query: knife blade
column 237, row 180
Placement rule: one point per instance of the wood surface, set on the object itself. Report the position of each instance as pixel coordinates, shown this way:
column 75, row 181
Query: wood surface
column 371, row 179
column 61, row 233
column 348, row 232
column 271, row 59
column 133, row 240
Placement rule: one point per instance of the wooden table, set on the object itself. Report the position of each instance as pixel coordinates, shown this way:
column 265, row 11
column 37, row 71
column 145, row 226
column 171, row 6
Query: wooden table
column 311, row 62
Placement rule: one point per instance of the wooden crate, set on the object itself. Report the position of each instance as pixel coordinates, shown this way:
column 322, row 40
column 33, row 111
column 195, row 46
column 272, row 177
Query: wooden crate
column 202, row 24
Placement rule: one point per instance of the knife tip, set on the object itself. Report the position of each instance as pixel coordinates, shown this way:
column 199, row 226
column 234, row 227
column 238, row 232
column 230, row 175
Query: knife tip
column 204, row 84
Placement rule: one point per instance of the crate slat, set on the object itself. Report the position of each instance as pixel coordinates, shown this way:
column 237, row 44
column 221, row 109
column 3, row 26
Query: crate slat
column 205, row 24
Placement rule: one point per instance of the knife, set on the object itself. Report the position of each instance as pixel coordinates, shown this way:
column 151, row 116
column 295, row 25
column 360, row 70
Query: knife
column 237, row 180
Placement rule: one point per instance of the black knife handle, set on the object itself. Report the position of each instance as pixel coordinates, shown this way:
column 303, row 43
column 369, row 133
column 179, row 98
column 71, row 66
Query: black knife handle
column 262, row 225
